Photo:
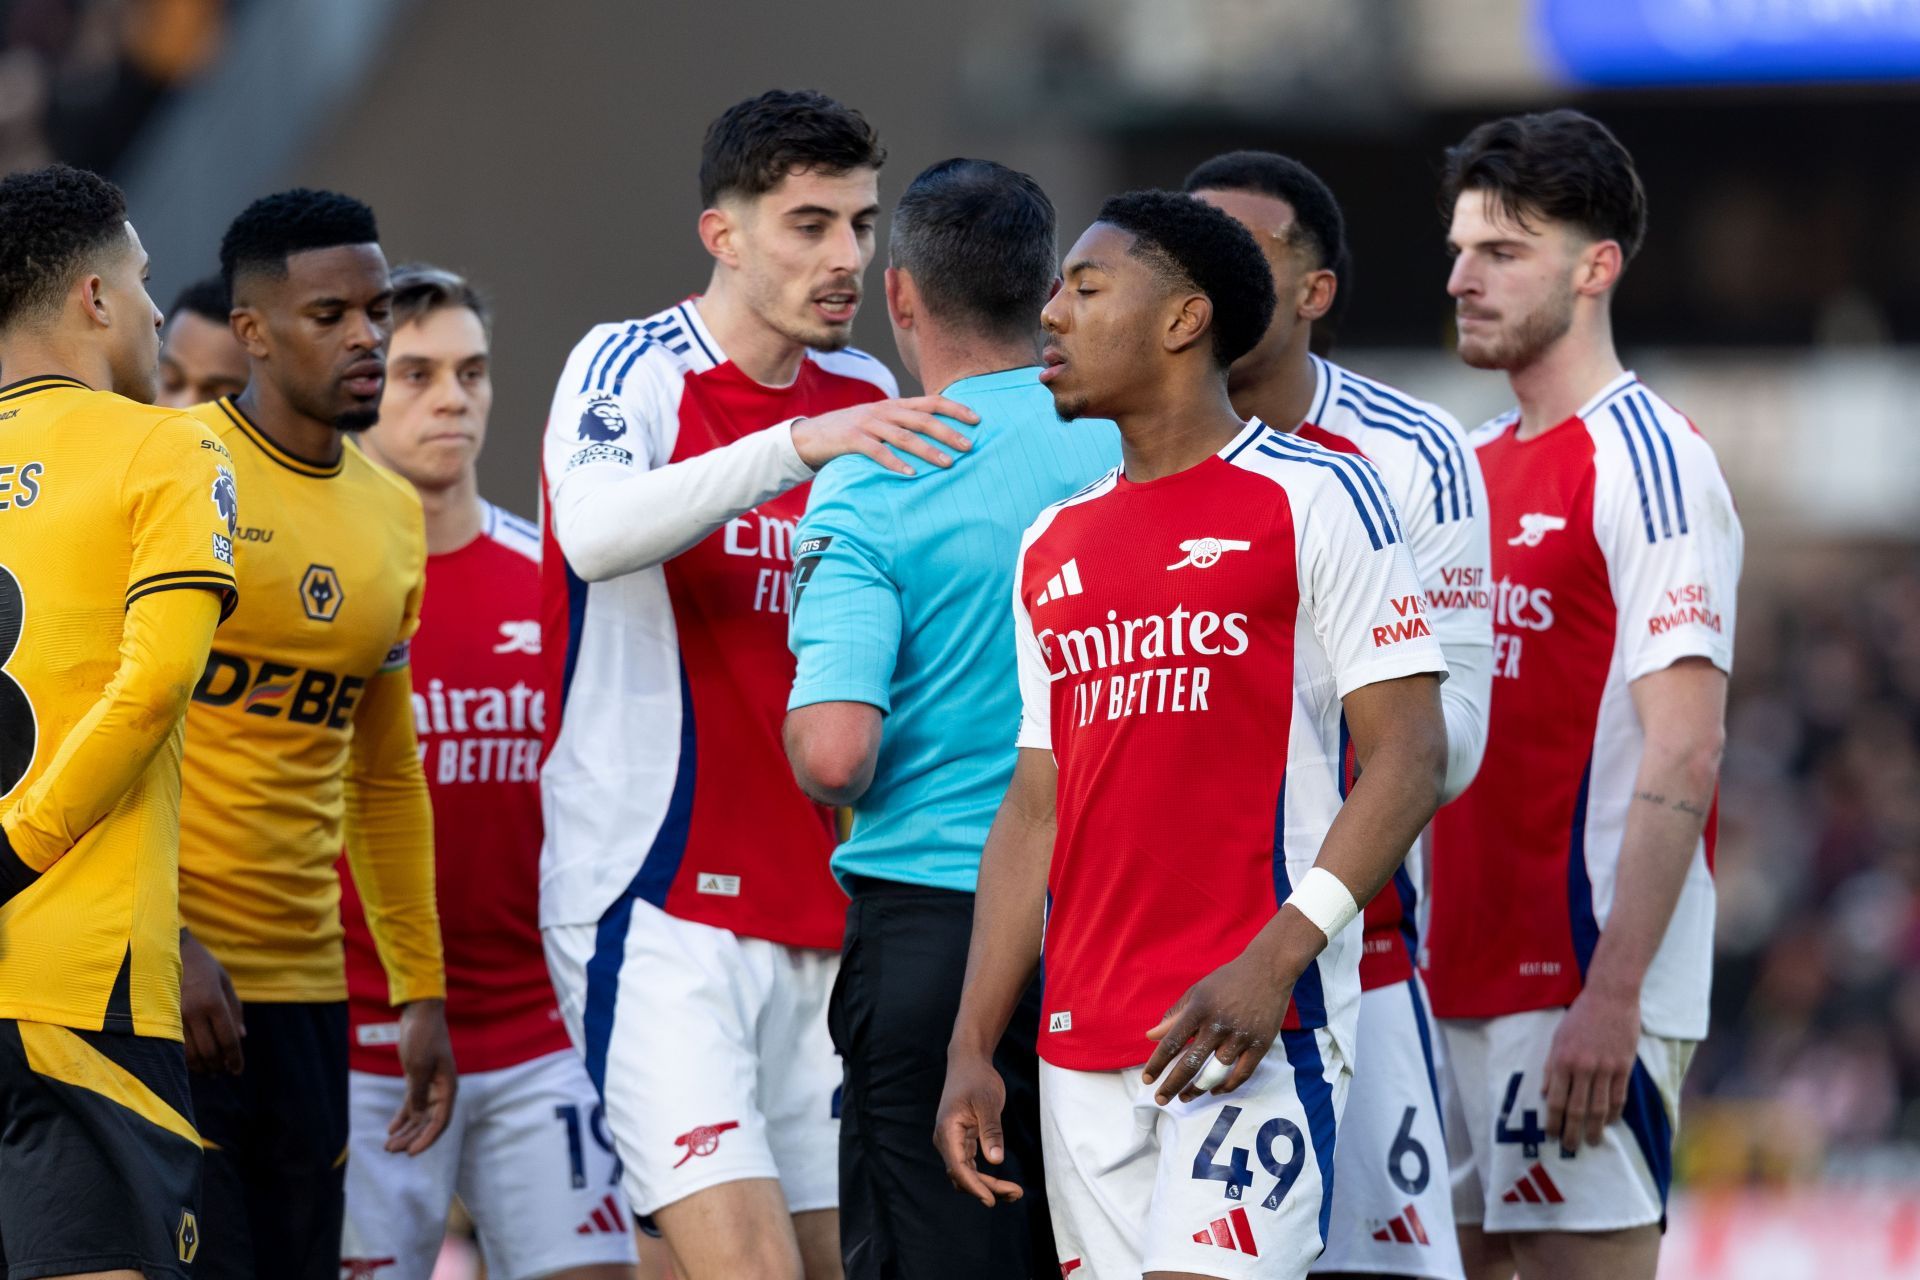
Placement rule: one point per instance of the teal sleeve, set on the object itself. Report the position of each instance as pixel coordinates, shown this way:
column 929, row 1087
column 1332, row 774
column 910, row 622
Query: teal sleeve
column 845, row 626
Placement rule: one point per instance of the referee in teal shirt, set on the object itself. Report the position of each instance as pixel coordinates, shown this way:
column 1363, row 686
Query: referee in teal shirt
column 905, row 707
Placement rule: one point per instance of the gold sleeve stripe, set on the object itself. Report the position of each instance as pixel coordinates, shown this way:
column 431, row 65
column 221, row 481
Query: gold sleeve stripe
column 59, row 1054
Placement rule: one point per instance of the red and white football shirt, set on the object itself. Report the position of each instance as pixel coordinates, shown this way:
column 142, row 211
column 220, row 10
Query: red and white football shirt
column 1183, row 649
column 478, row 710
column 1434, row 480
column 665, row 779
column 1616, row 552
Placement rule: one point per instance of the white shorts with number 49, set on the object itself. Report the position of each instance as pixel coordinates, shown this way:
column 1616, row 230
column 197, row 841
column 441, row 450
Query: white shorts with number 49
column 1392, row 1203
column 712, row 1052
column 1509, row 1176
column 1235, row 1186
column 528, row 1154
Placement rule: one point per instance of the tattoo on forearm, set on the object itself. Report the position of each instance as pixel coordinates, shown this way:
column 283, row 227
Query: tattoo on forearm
column 1692, row 808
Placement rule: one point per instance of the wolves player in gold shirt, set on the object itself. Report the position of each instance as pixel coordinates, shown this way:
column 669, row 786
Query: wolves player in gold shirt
column 116, row 563
column 300, row 737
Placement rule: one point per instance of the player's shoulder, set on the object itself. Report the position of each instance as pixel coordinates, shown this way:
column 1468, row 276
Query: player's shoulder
column 1383, row 407
column 1051, row 513
column 1311, row 474
column 621, row 356
column 511, row 532
column 1493, row 428
column 1636, row 431
column 389, row 489
column 851, row 362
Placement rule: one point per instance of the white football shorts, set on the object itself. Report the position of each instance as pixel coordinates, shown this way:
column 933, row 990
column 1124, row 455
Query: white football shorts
column 1509, row 1176
column 528, row 1153
column 711, row 1052
column 1235, row 1186
column 1392, row 1201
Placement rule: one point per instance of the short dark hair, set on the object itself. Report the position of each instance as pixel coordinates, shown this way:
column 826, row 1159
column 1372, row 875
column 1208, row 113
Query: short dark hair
column 1317, row 221
column 209, row 299
column 419, row 290
column 1196, row 246
column 756, row 143
column 978, row 238
column 1562, row 165
column 53, row 221
column 275, row 227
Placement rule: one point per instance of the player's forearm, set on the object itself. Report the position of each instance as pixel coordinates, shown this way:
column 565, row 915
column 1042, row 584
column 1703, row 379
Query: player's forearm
column 163, row 650
column 610, row 524
column 1400, row 742
column 1464, row 700
column 1009, row 917
column 390, row 839
column 1672, row 794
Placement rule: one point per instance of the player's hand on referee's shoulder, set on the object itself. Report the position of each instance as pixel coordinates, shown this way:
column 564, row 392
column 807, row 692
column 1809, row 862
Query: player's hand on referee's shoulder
column 968, row 1125
column 908, row 424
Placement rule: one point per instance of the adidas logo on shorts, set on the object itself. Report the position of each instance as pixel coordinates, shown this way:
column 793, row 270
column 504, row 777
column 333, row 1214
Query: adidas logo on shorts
column 1403, row 1229
column 1233, row 1233
column 1534, row 1187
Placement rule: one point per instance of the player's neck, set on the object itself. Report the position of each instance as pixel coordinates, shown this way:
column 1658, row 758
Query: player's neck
column 307, row 439
column 1280, row 395
column 455, row 515
column 752, row 346
column 1565, row 376
column 945, row 361
column 1187, row 426
column 23, row 358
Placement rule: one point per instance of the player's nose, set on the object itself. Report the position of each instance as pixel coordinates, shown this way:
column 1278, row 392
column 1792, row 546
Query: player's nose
column 1460, row 281
column 1053, row 317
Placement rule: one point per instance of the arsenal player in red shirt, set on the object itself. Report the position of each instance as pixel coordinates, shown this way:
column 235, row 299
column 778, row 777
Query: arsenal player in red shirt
column 527, row 1148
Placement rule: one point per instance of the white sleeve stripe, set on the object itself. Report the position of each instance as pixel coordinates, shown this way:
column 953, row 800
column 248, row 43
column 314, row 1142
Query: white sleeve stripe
column 1421, row 420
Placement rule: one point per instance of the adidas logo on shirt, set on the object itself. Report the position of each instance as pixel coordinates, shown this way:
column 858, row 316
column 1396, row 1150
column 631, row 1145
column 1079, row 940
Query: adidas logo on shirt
column 1404, row 1229
column 1233, row 1233
column 1534, row 1187
column 1062, row 584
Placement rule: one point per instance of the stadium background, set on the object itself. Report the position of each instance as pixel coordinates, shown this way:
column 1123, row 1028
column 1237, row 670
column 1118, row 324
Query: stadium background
column 550, row 151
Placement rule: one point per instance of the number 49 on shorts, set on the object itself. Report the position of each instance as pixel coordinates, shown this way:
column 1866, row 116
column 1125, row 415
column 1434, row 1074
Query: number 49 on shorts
column 1237, row 1173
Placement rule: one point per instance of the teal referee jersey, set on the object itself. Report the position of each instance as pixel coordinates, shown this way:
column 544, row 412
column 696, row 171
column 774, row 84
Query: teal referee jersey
column 903, row 590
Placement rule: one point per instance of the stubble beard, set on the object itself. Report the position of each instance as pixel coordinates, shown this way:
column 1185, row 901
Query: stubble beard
column 1525, row 341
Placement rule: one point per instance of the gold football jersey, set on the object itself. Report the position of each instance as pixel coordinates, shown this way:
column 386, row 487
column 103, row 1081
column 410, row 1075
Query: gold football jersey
column 102, row 502
column 332, row 564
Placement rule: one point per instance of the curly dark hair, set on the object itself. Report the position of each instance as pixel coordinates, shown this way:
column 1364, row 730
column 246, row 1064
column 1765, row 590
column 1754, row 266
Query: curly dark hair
column 207, row 298
column 1196, row 246
column 756, row 143
column 289, row 222
column 1317, row 221
column 1563, row 165
column 53, row 222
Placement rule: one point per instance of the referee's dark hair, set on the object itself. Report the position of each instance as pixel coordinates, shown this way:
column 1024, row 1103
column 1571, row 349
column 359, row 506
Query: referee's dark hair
column 979, row 240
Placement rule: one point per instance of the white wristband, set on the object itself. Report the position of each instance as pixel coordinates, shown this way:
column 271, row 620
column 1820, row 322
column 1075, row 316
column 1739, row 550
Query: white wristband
column 1321, row 898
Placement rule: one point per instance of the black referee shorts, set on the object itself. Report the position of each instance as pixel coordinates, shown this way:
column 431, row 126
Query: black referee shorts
column 277, row 1148
column 99, row 1160
column 892, row 1013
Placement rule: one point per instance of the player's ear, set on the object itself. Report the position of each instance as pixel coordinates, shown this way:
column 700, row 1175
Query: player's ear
column 249, row 330
column 1598, row 269
column 1317, row 292
column 718, row 228
column 903, row 299
column 91, row 290
column 1192, row 316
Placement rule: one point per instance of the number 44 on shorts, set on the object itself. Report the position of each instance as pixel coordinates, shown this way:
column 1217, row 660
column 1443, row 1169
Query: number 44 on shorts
column 1236, row 1173
column 1529, row 1135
